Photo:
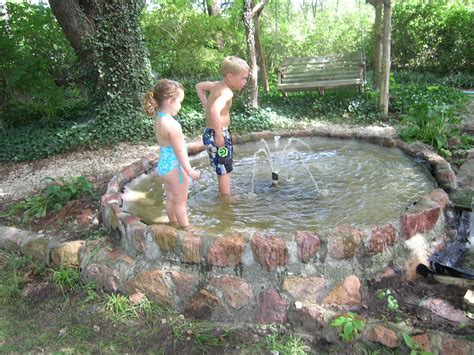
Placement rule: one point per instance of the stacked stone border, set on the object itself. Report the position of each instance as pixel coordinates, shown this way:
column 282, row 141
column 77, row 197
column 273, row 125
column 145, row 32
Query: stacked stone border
column 303, row 279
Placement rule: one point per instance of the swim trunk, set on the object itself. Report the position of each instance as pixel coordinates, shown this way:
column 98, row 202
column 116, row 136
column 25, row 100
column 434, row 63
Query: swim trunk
column 223, row 165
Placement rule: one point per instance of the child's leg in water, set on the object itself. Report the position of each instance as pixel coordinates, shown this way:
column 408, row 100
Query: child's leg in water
column 224, row 184
column 170, row 202
column 177, row 196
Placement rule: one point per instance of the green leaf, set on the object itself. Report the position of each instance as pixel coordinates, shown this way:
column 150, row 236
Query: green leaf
column 65, row 196
column 359, row 324
column 408, row 340
column 348, row 330
column 339, row 321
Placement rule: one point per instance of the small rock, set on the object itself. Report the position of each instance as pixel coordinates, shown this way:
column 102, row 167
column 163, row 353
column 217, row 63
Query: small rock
column 469, row 300
column 444, row 309
column 136, row 298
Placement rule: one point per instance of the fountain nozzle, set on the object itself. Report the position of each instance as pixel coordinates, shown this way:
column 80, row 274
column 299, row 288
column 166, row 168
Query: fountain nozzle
column 274, row 178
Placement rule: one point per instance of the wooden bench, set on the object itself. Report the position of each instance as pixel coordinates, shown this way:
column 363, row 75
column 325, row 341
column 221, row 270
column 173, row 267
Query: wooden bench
column 320, row 73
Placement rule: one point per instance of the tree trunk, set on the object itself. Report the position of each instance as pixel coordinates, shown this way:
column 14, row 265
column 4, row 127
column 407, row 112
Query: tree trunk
column 259, row 47
column 378, row 42
column 385, row 77
column 108, row 41
column 250, row 34
column 288, row 11
column 77, row 21
column 213, row 7
column 4, row 90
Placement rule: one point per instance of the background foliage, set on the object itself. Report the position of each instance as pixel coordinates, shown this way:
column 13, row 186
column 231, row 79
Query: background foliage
column 433, row 36
column 38, row 75
column 47, row 106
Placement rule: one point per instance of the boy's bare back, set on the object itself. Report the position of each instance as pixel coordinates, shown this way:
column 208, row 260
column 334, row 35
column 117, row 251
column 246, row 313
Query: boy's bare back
column 218, row 106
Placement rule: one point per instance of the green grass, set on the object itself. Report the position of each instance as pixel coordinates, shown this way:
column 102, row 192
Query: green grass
column 66, row 279
column 81, row 324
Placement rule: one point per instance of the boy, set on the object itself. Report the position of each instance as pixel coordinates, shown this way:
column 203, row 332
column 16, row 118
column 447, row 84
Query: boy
column 216, row 137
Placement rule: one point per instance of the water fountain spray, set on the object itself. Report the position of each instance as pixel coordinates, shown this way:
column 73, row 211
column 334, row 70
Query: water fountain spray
column 272, row 162
column 276, row 163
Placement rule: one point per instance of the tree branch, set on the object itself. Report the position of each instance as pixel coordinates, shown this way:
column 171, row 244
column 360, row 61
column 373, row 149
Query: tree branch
column 73, row 21
column 258, row 8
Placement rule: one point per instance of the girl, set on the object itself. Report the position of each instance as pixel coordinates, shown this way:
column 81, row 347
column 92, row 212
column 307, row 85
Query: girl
column 164, row 102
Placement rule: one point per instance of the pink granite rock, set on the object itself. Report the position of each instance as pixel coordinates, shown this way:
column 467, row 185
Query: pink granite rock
column 346, row 293
column 203, row 305
column 383, row 335
column 381, row 238
column 308, row 245
column 226, row 251
column 152, row 283
column 103, row 277
column 304, row 288
column 137, row 236
column 422, row 216
column 454, row 346
column 165, row 236
column 237, row 292
column 344, row 242
column 269, row 250
column 191, row 249
column 272, row 307
column 185, row 284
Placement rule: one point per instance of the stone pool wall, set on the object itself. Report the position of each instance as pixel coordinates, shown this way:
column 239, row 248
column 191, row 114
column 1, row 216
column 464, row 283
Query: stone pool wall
column 259, row 277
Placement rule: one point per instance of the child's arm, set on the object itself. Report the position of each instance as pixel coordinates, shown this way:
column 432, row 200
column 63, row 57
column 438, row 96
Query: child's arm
column 214, row 115
column 177, row 142
column 202, row 89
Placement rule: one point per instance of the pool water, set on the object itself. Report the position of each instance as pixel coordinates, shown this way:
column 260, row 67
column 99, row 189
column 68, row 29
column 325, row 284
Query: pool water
column 323, row 183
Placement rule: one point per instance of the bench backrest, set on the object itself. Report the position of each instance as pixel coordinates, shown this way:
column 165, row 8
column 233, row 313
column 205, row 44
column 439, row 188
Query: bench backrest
column 315, row 69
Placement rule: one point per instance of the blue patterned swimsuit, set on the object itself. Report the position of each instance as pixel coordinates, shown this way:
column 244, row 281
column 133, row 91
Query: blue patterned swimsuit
column 168, row 160
column 222, row 166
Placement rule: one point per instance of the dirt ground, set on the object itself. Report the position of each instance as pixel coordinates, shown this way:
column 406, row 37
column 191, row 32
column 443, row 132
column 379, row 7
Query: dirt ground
column 409, row 295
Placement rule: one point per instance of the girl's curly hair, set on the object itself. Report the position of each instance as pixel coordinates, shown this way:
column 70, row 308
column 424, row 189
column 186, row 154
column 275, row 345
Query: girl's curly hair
column 164, row 89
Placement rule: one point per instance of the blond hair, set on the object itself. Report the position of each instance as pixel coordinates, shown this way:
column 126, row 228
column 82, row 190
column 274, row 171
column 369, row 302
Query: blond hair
column 164, row 89
column 233, row 65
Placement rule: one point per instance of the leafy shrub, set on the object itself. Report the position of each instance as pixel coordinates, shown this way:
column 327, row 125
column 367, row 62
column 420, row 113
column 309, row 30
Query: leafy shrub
column 433, row 125
column 48, row 106
column 250, row 119
column 114, row 122
column 336, row 105
column 186, row 43
column 433, row 36
column 403, row 97
column 191, row 120
column 37, row 66
column 53, row 197
column 457, row 80
column 348, row 104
